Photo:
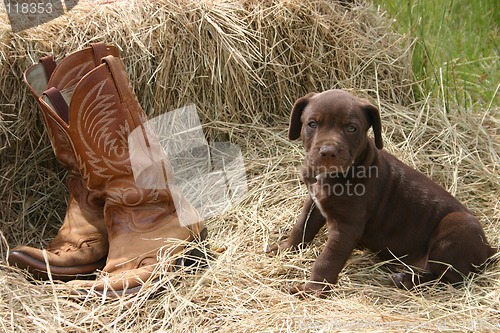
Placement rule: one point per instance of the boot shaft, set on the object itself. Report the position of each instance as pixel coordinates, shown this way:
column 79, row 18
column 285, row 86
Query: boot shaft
column 65, row 75
column 103, row 114
column 47, row 73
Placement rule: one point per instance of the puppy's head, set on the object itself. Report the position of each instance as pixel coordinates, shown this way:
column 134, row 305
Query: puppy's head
column 333, row 126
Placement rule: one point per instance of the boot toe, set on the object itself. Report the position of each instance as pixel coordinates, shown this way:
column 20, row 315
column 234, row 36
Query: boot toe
column 115, row 285
column 44, row 265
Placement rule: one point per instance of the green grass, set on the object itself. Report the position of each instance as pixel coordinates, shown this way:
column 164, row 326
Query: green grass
column 456, row 52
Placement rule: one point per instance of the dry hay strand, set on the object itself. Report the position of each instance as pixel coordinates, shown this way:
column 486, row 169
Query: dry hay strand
column 243, row 63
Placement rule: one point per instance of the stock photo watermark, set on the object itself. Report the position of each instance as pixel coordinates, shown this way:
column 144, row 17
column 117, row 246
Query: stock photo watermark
column 310, row 325
column 345, row 182
column 171, row 151
column 25, row 14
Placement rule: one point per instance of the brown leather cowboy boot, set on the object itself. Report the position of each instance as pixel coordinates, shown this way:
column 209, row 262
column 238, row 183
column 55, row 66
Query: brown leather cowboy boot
column 81, row 245
column 143, row 223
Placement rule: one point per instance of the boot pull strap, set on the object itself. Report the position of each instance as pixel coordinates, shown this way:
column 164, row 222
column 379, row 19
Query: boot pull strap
column 119, row 76
column 60, row 105
column 100, row 51
column 49, row 65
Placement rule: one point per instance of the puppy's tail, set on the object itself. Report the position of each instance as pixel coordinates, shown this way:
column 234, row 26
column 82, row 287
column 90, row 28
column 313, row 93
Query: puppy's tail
column 493, row 257
column 493, row 251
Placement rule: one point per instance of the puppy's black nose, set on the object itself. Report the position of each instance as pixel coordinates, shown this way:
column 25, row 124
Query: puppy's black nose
column 328, row 152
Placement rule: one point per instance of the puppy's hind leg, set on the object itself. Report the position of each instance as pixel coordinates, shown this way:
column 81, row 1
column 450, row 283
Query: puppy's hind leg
column 409, row 281
column 417, row 273
column 458, row 247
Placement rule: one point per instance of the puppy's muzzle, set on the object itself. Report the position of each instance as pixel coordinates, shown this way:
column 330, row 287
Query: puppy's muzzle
column 329, row 158
column 329, row 153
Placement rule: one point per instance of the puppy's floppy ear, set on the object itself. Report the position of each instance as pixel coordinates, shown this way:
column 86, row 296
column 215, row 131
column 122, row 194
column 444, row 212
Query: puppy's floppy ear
column 295, row 122
column 374, row 119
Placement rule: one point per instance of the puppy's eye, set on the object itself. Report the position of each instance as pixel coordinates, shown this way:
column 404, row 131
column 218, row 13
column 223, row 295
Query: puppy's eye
column 351, row 128
column 312, row 124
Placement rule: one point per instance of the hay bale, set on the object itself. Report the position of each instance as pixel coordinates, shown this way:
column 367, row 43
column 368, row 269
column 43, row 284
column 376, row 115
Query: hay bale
column 243, row 63
column 237, row 61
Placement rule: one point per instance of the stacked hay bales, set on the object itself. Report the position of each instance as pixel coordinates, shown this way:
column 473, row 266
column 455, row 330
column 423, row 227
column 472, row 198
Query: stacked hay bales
column 243, row 64
column 239, row 62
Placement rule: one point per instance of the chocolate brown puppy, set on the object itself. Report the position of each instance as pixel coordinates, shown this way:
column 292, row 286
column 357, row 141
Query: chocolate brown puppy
column 368, row 198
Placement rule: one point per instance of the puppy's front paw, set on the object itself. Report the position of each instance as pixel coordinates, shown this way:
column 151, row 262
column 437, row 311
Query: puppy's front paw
column 273, row 249
column 277, row 248
column 309, row 289
column 405, row 280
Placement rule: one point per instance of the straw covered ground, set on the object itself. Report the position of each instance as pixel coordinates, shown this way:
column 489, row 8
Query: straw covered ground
column 243, row 64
